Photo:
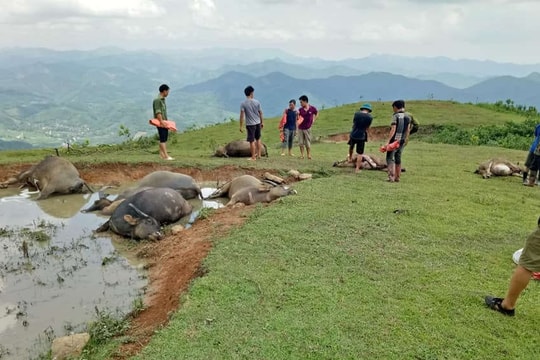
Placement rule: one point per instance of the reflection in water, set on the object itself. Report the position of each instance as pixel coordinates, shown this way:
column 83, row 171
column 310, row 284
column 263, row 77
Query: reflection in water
column 59, row 286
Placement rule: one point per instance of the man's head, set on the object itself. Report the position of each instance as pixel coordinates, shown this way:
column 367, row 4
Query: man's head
column 249, row 90
column 303, row 100
column 398, row 105
column 164, row 90
column 292, row 104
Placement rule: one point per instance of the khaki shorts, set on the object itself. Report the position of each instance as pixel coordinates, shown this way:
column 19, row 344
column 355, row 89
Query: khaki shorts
column 530, row 257
column 304, row 137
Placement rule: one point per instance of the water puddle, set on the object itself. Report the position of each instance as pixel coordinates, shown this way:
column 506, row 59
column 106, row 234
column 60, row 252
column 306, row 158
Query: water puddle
column 55, row 273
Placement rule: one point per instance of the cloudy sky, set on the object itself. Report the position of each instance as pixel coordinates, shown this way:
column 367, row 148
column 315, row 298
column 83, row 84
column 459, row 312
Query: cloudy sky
column 500, row 30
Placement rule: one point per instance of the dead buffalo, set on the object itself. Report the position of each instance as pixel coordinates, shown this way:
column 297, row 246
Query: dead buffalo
column 182, row 183
column 249, row 190
column 53, row 175
column 238, row 148
column 369, row 162
column 141, row 215
column 497, row 167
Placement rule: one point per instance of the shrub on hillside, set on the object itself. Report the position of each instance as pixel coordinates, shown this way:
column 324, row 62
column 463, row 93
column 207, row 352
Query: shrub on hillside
column 511, row 135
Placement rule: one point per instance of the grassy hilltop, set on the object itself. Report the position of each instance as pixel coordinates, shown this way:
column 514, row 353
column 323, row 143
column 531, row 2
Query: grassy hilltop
column 353, row 267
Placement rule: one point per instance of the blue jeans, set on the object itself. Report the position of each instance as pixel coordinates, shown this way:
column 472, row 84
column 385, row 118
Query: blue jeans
column 289, row 138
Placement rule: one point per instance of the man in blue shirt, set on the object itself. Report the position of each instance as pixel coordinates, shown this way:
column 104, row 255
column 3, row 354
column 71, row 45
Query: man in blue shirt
column 530, row 158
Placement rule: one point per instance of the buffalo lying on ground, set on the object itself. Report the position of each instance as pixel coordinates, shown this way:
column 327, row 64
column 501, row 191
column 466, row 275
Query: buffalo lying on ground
column 497, row 167
column 53, row 175
column 184, row 184
column 369, row 162
column 249, row 190
column 238, row 148
column 141, row 215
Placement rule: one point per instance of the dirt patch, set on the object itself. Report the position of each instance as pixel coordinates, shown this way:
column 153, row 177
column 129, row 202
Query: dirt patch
column 374, row 134
column 174, row 261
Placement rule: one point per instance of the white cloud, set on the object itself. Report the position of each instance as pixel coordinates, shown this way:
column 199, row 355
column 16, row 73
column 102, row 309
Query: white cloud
column 495, row 29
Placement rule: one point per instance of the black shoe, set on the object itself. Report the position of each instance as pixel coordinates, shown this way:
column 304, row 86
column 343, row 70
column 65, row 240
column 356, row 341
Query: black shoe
column 496, row 304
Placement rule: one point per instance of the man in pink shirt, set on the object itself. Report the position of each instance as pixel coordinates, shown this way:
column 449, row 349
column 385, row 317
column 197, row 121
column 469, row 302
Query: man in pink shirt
column 307, row 114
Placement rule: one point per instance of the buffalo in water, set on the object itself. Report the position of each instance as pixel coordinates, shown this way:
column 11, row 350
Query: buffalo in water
column 53, row 175
column 497, row 167
column 141, row 215
column 249, row 190
column 238, row 148
column 184, row 184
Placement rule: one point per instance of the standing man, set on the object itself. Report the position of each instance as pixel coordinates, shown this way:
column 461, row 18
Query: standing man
column 530, row 158
column 160, row 113
column 399, row 131
column 359, row 136
column 307, row 116
column 250, row 109
column 290, row 115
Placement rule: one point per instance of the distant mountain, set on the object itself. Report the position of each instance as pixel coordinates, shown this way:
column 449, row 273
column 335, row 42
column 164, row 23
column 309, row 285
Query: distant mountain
column 48, row 97
column 276, row 89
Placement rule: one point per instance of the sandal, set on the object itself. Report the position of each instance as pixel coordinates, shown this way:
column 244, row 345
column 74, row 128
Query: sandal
column 496, row 304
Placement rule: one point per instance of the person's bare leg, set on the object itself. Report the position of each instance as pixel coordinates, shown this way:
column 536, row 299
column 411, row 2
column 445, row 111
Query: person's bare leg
column 519, row 281
column 349, row 158
column 163, row 150
column 359, row 160
column 301, row 151
column 252, row 149
column 258, row 148
column 308, row 151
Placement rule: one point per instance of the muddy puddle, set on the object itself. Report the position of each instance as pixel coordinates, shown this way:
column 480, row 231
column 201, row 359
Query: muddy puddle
column 55, row 273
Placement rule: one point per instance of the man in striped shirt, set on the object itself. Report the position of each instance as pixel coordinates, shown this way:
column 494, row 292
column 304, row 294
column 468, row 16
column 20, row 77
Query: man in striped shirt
column 399, row 131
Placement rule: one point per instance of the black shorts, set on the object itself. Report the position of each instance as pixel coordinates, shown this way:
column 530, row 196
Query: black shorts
column 163, row 134
column 253, row 132
column 360, row 145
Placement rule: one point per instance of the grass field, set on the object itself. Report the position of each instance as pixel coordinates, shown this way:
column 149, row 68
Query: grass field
column 353, row 267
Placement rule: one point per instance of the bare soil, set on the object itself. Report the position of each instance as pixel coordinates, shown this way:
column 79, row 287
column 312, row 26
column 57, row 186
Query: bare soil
column 374, row 134
column 174, row 261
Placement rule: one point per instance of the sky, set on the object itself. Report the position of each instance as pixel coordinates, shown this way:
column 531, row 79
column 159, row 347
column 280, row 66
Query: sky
column 498, row 30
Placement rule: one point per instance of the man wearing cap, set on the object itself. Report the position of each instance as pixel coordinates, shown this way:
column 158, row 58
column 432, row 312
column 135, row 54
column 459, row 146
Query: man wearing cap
column 359, row 135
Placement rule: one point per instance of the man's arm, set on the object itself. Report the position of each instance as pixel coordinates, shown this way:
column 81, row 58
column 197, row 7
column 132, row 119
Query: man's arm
column 261, row 116
column 392, row 133
column 242, row 120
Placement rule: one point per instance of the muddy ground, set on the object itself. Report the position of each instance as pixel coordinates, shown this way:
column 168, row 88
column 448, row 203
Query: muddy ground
column 174, row 261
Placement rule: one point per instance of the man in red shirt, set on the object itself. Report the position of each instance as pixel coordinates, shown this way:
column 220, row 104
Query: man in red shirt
column 307, row 116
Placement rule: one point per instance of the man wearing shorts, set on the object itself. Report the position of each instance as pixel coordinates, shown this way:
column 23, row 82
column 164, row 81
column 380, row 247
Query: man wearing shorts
column 307, row 116
column 359, row 136
column 399, row 131
column 160, row 112
column 529, row 262
column 250, row 110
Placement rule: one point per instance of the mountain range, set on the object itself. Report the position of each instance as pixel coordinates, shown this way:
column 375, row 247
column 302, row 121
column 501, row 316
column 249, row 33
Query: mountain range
column 49, row 97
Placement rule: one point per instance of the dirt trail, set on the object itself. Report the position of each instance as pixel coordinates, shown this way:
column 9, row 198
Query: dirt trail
column 174, row 261
column 374, row 134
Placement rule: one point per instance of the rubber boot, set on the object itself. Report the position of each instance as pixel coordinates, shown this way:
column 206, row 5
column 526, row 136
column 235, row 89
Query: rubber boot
column 391, row 172
column 532, row 178
column 525, row 174
column 398, row 173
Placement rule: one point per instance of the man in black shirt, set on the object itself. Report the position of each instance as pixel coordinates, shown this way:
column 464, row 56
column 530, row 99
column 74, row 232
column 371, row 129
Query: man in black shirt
column 359, row 136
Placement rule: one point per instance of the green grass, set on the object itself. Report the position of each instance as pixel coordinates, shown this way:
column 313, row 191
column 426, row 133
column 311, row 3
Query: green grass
column 335, row 272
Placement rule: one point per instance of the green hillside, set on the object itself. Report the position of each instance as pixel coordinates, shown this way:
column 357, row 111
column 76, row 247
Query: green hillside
column 353, row 267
